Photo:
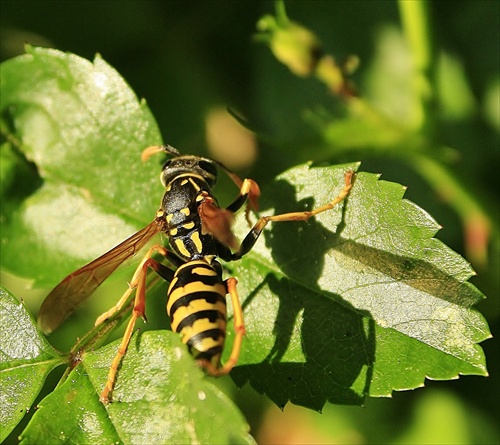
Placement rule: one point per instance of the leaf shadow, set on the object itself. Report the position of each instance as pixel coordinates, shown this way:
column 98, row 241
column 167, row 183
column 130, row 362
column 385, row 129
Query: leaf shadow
column 416, row 273
column 301, row 247
column 337, row 338
column 337, row 341
column 21, row 177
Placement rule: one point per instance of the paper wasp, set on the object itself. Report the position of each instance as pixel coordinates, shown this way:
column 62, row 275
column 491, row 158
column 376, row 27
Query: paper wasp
column 198, row 233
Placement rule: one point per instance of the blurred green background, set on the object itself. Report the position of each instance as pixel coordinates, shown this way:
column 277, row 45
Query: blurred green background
column 187, row 58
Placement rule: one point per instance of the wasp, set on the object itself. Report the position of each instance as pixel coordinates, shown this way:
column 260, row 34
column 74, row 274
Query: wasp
column 199, row 232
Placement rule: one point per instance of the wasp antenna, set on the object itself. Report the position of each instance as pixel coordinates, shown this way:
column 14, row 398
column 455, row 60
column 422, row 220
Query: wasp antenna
column 150, row 151
column 154, row 149
column 171, row 150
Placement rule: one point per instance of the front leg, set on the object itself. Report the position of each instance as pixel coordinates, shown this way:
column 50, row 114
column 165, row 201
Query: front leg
column 257, row 229
column 218, row 222
column 249, row 191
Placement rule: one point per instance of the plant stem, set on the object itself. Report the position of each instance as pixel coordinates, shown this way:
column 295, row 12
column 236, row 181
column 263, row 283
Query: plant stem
column 416, row 26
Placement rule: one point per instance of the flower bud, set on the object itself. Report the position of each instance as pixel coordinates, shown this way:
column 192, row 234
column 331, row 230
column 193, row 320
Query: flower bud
column 293, row 45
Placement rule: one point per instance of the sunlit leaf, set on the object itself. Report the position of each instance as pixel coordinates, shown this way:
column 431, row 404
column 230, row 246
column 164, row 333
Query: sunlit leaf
column 362, row 301
column 71, row 119
column 160, row 397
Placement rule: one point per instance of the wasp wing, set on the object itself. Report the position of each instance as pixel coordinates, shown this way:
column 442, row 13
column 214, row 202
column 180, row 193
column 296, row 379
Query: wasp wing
column 77, row 286
column 217, row 222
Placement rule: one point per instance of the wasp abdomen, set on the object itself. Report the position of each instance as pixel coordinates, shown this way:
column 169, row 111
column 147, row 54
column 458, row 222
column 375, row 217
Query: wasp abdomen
column 197, row 309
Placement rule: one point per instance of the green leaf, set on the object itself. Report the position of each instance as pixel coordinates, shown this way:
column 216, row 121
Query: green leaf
column 72, row 119
column 361, row 301
column 160, row 397
column 25, row 361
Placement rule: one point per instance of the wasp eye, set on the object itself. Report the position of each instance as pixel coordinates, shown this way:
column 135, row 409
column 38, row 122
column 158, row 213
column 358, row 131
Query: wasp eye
column 208, row 167
column 167, row 164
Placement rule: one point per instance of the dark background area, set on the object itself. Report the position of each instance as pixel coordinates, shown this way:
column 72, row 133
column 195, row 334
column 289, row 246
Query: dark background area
column 186, row 57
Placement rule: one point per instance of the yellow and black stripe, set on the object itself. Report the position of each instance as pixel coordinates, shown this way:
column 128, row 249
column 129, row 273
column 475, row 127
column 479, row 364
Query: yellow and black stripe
column 197, row 309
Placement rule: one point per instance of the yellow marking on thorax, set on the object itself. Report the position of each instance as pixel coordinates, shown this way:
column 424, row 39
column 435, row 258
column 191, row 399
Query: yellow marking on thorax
column 195, row 186
column 185, row 211
column 187, row 177
column 195, row 237
column 181, row 248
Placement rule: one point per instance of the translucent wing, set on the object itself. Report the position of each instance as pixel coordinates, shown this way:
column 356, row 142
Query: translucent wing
column 217, row 222
column 77, row 286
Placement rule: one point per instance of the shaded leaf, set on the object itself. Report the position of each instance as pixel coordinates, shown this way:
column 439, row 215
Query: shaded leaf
column 25, row 361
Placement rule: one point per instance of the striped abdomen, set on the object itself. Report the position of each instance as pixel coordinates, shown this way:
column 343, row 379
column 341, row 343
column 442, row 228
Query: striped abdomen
column 197, row 309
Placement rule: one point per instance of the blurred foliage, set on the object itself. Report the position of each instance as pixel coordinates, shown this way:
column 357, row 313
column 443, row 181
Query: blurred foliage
column 188, row 58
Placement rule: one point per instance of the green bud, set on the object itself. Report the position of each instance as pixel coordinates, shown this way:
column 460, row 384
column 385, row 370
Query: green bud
column 293, row 45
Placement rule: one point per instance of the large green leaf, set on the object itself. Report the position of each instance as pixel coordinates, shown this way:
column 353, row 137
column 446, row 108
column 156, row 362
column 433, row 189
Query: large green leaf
column 82, row 195
column 73, row 120
column 362, row 301
column 160, row 397
column 25, row 360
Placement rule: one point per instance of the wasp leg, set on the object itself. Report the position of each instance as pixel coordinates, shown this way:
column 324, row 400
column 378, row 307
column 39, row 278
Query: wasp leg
column 218, row 221
column 253, row 235
column 249, row 191
column 239, row 329
column 133, row 284
column 138, row 283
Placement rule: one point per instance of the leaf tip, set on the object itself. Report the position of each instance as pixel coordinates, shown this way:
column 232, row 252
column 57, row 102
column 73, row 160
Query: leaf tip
column 356, row 165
